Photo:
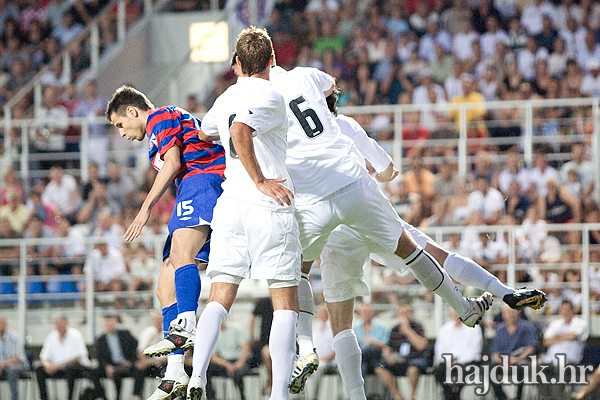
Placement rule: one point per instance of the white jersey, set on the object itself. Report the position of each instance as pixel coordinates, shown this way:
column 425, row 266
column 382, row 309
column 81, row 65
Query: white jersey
column 319, row 157
column 256, row 103
column 368, row 148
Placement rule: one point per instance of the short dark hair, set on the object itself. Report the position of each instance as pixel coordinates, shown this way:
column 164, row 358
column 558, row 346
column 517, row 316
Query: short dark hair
column 124, row 97
column 233, row 59
column 254, row 50
column 332, row 101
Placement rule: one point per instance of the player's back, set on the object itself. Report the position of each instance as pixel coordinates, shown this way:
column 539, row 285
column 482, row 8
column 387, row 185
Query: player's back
column 168, row 126
column 256, row 103
column 320, row 159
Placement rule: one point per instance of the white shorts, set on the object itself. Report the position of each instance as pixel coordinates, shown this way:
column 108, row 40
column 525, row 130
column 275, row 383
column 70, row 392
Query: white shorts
column 361, row 206
column 253, row 242
column 343, row 259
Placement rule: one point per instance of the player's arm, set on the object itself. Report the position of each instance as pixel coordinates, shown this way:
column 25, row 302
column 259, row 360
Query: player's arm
column 241, row 136
column 207, row 138
column 163, row 179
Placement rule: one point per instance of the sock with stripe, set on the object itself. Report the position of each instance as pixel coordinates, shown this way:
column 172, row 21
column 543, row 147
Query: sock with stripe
column 468, row 272
column 187, row 291
column 434, row 278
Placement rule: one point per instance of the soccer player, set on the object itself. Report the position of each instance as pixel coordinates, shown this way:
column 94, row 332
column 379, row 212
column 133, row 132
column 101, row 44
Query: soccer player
column 346, row 251
column 333, row 188
column 197, row 168
column 255, row 231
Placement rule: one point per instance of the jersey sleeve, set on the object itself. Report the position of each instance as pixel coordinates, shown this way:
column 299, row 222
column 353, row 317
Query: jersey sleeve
column 209, row 123
column 323, row 79
column 262, row 112
column 368, row 147
column 168, row 132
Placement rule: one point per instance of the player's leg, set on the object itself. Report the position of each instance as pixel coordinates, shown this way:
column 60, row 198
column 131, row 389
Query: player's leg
column 175, row 379
column 468, row 272
column 306, row 314
column 223, row 291
column 282, row 339
column 348, row 355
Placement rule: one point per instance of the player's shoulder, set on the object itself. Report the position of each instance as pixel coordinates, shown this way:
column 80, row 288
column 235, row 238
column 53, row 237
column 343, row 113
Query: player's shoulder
column 348, row 122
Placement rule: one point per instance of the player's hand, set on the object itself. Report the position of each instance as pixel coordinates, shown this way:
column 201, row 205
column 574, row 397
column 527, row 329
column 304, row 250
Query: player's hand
column 275, row 190
column 385, row 176
column 136, row 226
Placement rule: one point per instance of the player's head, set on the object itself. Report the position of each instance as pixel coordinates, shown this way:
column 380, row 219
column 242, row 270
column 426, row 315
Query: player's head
column 234, row 65
column 126, row 110
column 254, row 51
column 332, row 101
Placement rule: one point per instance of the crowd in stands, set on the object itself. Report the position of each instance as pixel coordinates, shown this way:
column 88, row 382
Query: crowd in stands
column 33, row 33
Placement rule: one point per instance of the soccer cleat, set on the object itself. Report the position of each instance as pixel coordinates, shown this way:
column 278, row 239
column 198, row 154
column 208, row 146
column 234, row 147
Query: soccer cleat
column 171, row 388
column 178, row 338
column 303, row 366
column 196, row 389
column 479, row 305
column 522, row 298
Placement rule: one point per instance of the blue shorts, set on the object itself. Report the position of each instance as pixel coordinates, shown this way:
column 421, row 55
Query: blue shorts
column 196, row 198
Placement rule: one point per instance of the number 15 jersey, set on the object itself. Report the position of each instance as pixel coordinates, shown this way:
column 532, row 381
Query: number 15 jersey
column 320, row 159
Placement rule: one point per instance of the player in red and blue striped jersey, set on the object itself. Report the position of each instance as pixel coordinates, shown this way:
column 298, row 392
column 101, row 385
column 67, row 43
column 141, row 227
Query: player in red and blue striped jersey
column 181, row 153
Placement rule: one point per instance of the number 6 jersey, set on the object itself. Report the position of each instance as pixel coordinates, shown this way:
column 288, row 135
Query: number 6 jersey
column 320, row 159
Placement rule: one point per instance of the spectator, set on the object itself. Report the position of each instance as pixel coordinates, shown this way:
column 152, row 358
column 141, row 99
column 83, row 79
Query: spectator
column 434, row 36
column 590, row 51
column 263, row 309
column 372, row 337
column 463, row 343
column 463, row 40
column 92, row 106
column 230, row 357
column 64, row 355
column 548, row 35
column 51, row 121
column 120, row 187
column 323, row 339
column 541, row 174
column 97, row 201
column 475, row 125
column 486, row 200
column 453, row 17
column 590, row 86
column 446, row 179
column 527, row 57
column 420, row 181
column 108, row 268
column 585, row 172
column 148, row 366
column 515, row 204
column 557, row 62
column 404, row 354
column 15, row 212
column 68, row 30
column 61, row 192
column 533, row 14
column 516, row 338
column 56, row 77
column 109, row 229
column 493, row 35
column 12, row 358
column 442, row 66
column 513, row 172
column 116, row 352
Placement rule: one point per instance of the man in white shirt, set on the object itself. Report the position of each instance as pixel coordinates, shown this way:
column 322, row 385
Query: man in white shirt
column 541, row 174
column 61, row 191
column 462, row 48
column 253, row 223
column 486, row 200
column 565, row 338
column 513, row 172
column 590, row 86
column 65, row 355
column 51, row 123
column 108, row 265
column 532, row 15
column 434, row 36
column 493, row 35
column 588, row 51
column 463, row 344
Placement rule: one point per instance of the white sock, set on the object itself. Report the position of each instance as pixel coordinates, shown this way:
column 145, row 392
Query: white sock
column 468, row 272
column 174, row 366
column 282, row 346
column 190, row 319
column 434, row 278
column 305, row 317
column 207, row 333
column 349, row 358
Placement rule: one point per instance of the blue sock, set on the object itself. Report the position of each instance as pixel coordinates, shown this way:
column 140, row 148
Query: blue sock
column 187, row 288
column 169, row 314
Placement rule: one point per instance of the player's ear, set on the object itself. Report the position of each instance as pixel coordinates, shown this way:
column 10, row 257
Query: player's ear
column 272, row 61
column 131, row 111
